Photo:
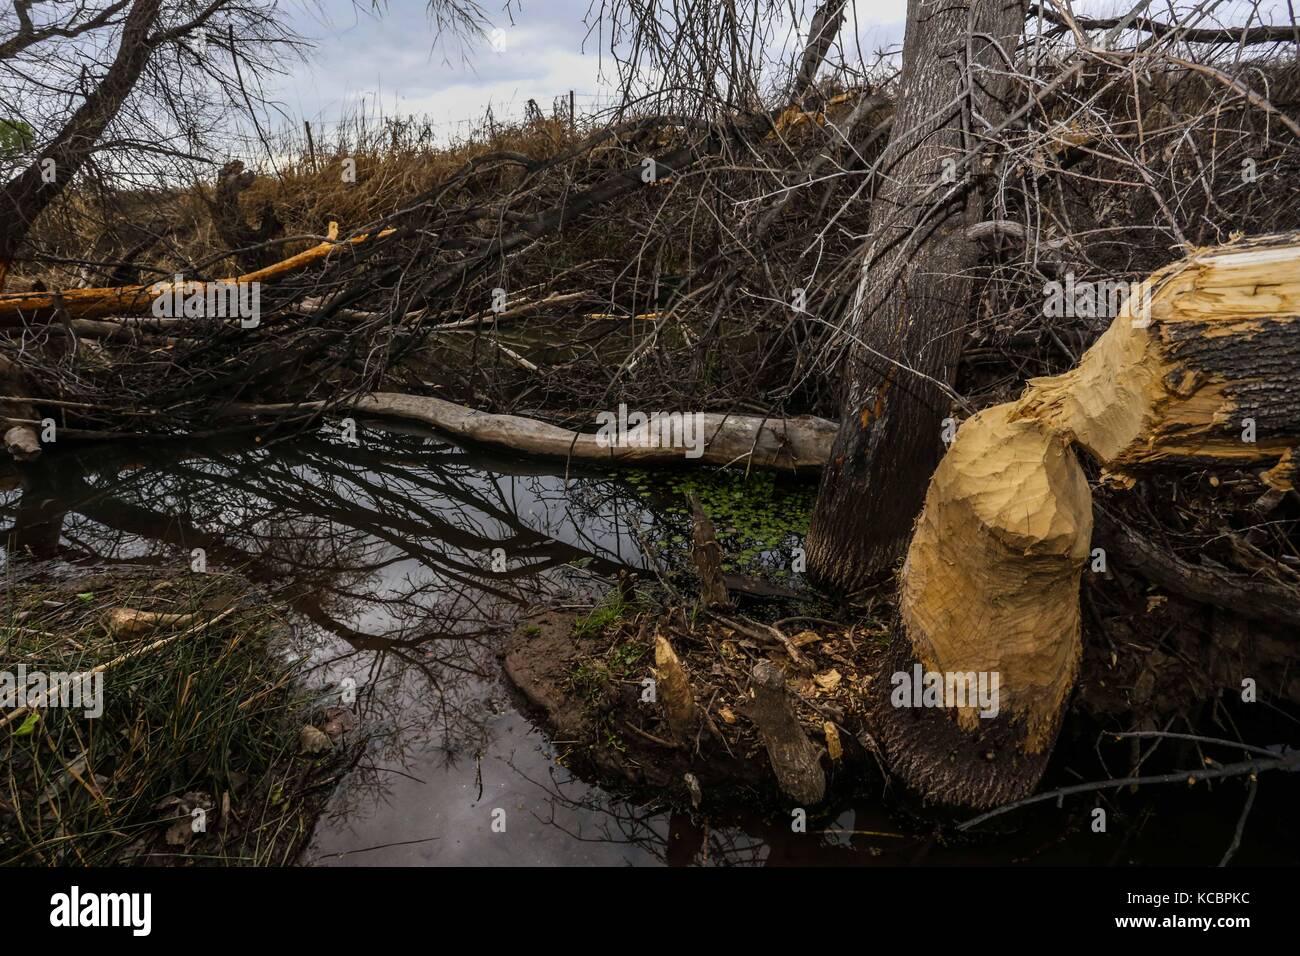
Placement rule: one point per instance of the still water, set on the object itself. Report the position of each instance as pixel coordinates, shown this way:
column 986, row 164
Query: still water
column 405, row 561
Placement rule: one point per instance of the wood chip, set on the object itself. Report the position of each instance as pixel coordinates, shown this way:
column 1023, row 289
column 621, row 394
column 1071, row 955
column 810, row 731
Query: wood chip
column 833, row 746
column 828, row 681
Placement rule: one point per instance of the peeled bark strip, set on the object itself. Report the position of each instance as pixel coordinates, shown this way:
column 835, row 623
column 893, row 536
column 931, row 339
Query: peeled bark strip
column 125, row 623
column 19, row 307
column 991, row 580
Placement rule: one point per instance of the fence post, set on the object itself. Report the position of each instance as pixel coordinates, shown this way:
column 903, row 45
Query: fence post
column 311, row 146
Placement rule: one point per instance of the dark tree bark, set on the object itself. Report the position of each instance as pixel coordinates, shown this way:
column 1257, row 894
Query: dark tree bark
column 912, row 301
column 28, row 194
column 28, row 35
column 826, row 22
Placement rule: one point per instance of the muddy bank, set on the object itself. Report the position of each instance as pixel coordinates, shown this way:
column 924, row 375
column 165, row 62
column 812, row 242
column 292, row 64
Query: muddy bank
column 602, row 686
column 588, row 677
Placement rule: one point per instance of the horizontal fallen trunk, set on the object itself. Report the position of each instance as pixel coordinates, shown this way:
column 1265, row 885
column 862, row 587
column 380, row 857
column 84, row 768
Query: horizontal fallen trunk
column 1201, row 367
column 790, row 444
column 18, row 308
column 1209, row 375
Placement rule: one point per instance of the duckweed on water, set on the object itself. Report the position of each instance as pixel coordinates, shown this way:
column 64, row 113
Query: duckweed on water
column 759, row 518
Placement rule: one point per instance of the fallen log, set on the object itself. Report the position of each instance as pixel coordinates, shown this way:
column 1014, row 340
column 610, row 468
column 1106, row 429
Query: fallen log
column 791, row 444
column 1201, row 367
column 1245, row 596
column 1210, row 377
column 18, row 308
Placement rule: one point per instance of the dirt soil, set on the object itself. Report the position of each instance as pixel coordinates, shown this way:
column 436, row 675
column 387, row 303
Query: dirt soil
column 589, row 689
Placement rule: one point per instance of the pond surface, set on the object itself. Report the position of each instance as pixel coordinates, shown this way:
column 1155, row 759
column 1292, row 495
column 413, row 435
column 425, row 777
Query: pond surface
column 406, row 560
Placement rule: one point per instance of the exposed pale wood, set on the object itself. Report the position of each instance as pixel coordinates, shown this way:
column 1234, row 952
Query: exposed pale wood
column 800, row 443
column 138, row 299
column 991, row 579
column 125, row 623
column 673, row 690
column 1222, row 345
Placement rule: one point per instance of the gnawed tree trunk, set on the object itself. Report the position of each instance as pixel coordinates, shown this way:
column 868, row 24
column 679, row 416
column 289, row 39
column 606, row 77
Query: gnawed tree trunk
column 795, row 759
column 990, row 586
column 706, row 552
column 1218, row 364
column 991, row 581
column 913, row 294
column 674, row 690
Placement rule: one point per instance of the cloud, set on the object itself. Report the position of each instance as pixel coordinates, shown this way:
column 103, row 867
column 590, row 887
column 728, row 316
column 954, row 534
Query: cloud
column 394, row 62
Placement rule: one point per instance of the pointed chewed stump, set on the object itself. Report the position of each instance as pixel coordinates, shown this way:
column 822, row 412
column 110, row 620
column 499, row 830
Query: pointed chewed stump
column 1200, row 368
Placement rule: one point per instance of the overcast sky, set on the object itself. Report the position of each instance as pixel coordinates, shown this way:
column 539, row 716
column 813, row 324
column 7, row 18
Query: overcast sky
column 392, row 59
column 392, row 62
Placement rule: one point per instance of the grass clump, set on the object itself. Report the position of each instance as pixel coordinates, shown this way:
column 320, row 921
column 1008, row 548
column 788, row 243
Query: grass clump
column 613, row 608
column 195, row 755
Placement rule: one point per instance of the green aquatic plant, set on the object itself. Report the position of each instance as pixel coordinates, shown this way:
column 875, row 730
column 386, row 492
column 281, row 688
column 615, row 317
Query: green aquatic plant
column 759, row 518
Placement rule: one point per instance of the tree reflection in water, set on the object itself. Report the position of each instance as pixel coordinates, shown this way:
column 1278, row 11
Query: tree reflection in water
column 385, row 553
